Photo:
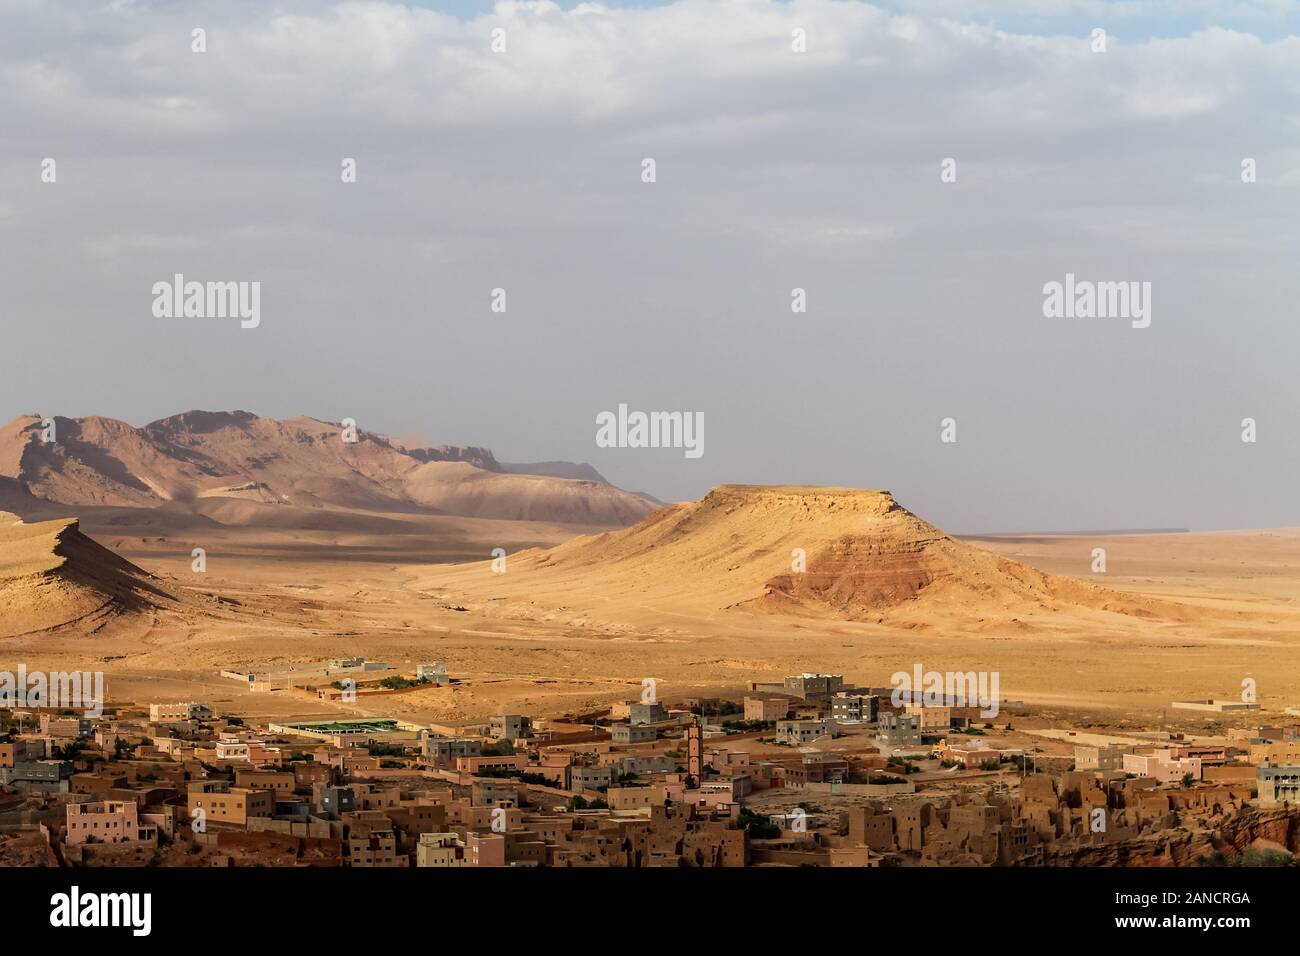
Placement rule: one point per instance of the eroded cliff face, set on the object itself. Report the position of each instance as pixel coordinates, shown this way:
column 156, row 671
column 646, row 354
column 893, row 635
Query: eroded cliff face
column 200, row 457
column 1230, row 834
column 839, row 553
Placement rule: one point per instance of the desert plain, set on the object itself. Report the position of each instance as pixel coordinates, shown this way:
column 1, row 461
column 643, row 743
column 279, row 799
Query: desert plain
column 703, row 597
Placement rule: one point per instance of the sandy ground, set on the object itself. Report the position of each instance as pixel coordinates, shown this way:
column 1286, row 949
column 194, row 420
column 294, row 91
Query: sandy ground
column 305, row 596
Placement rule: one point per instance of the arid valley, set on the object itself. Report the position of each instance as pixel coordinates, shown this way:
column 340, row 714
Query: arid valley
column 699, row 596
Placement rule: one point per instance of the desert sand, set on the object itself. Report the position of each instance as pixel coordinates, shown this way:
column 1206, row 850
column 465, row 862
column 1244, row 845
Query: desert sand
column 313, row 551
column 274, row 598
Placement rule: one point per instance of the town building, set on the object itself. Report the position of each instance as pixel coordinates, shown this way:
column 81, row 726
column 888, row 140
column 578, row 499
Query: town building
column 797, row 732
column 1278, row 784
column 814, row 686
column 214, row 801
column 1104, row 757
column 107, row 821
column 766, row 709
column 899, row 730
column 164, row 713
column 435, row 673
column 441, row 850
column 632, row 733
column 646, row 713
column 849, row 706
column 510, row 727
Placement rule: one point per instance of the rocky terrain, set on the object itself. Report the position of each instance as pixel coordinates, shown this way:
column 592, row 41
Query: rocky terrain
column 187, row 461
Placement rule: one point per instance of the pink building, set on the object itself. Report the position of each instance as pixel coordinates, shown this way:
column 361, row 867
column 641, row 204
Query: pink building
column 1162, row 766
column 109, row 821
column 486, row 849
column 972, row 755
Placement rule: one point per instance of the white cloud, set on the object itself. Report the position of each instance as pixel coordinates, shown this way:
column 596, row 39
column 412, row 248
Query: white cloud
column 775, row 169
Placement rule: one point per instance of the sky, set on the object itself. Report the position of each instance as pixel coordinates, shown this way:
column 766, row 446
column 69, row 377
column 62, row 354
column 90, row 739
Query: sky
column 775, row 170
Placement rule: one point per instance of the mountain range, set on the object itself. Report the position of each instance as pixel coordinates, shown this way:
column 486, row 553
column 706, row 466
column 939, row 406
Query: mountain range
column 202, row 461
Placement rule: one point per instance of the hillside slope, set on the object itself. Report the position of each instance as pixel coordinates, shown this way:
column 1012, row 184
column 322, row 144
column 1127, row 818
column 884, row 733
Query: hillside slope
column 52, row 575
column 300, row 462
column 865, row 558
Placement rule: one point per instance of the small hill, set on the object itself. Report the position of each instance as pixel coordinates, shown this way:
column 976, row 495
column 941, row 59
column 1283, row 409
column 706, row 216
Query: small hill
column 52, row 575
column 865, row 557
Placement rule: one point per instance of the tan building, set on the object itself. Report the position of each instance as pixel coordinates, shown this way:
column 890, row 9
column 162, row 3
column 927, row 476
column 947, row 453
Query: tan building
column 280, row 782
column 1275, row 753
column 934, row 720
column 441, row 850
column 218, row 802
column 109, row 821
column 163, row 713
column 1107, row 757
column 634, row 798
column 373, row 845
column 768, row 709
column 66, row 728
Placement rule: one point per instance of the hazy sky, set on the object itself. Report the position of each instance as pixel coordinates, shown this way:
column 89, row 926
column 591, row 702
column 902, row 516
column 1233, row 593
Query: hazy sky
column 775, row 170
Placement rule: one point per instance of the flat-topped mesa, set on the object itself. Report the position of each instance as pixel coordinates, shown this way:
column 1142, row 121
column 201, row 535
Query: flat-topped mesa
column 806, row 499
column 796, row 549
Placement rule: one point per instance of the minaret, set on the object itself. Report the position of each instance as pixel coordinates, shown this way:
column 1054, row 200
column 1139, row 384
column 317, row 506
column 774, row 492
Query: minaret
column 695, row 750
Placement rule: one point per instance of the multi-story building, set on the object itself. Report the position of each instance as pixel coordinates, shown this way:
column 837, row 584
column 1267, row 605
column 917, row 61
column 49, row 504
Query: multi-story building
column 511, row 727
column 335, row 801
column 814, row 686
column 14, row 752
column 441, row 850
column 631, row 733
column 899, row 730
column 373, row 844
column 1275, row 753
column 486, row 849
column 231, row 747
column 767, row 709
column 1278, row 784
column 108, row 821
column 850, row 706
column 1106, row 757
column 1162, row 766
column 163, row 713
column 279, row 782
column 591, row 778
column 445, row 750
column 66, row 728
column 652, row 713
column 803, row 731
column 50, row 776
column 935, row 721
column 215, row 801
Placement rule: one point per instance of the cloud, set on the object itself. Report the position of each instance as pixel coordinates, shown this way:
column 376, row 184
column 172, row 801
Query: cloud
column 776, row 169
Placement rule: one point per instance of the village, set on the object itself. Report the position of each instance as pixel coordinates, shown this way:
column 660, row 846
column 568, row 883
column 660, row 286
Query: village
column 808, row 771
